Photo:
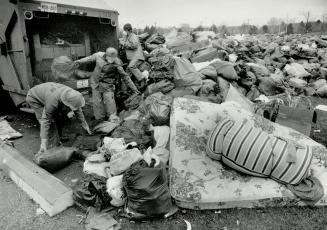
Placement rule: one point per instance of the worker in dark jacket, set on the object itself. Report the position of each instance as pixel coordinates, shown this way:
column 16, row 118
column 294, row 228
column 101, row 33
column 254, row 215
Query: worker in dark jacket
column 49, row 101
column 107, row 72
column 134, row 53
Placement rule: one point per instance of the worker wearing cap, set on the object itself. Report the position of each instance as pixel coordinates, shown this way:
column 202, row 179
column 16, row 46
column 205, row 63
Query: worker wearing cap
column 49, row 100
column 107, row 72
column 134, row 53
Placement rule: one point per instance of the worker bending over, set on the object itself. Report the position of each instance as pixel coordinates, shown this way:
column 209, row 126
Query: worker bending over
column 50, row 101
column 107, row 72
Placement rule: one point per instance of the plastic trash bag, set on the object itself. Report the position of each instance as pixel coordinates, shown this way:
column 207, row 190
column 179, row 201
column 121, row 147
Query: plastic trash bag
column 98, row 168
column 234, row 95
column 269, row 87
column 133, row 131
column 319, row 83
column 63, row 68
column 178, row 39
column 91, row 191
column 121, row 161
column 161, row 136
column 133, row 101
column 81, row 74
column 225, row 69
column 107, row 126
column 209, row 71
column 115, row 190
column 147, row 191
column 296, row 70
column 156, row 39
column 55, row 158
column 185, row 75
column 150, row 158
column 157, row 107
column 322, row 91
column 87, row 142
column 163, row 86
column 258, row 70
column 297, row 83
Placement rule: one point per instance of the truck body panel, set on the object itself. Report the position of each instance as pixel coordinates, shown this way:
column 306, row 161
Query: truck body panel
column 34, row 32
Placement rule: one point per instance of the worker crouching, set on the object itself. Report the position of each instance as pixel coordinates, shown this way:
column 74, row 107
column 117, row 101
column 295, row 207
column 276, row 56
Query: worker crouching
column 50, row 101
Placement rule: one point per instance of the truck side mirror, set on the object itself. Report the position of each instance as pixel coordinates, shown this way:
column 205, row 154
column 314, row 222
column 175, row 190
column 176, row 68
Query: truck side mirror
column 3, row 48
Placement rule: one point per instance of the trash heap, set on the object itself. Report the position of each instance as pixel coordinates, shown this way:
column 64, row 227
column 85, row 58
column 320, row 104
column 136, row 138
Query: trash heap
column 129, row 165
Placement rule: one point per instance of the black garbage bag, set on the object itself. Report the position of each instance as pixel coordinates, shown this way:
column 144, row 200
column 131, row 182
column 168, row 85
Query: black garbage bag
column 156, row 39
column 55, row 158
column 133, row 101
column 91, row 191
column 163, row 86
column 134, row 130
column 156, row 107
column 88, row 142
column 147, row 191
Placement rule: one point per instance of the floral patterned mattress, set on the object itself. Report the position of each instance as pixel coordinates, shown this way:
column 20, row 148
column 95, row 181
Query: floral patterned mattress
column 198, row 182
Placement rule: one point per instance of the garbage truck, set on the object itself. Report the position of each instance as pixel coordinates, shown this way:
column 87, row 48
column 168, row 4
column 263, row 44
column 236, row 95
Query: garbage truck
column 34, row 32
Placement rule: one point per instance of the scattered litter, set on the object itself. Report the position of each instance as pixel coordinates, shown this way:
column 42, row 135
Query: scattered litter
column 6, row 131
column 188, row 225
column 100, row 221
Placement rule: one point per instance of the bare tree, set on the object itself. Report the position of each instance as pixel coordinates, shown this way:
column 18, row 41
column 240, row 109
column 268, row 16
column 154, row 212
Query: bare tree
column 306, row 15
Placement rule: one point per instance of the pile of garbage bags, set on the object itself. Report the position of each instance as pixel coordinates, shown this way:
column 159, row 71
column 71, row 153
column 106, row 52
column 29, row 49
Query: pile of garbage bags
column 128, row 167
column 130, row 171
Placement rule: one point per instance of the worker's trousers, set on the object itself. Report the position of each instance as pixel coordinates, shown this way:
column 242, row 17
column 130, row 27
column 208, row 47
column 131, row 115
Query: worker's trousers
column 133, row 67
column 104, row 103
column 55, row 127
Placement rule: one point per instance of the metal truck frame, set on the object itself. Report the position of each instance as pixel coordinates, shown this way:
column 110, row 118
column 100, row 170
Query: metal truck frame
column 26, row 57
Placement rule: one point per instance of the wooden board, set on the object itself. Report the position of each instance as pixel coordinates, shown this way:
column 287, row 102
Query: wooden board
column 50, row 193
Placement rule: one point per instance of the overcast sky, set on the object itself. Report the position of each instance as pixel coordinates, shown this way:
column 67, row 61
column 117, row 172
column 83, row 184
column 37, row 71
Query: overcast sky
column 230, row 12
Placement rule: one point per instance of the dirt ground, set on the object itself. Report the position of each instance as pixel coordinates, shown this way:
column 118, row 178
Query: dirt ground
column 18, row 211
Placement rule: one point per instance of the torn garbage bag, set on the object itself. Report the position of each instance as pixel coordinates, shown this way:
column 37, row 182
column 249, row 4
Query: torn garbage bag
column 147, row 191
column 91, row 191
column 55, row 158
